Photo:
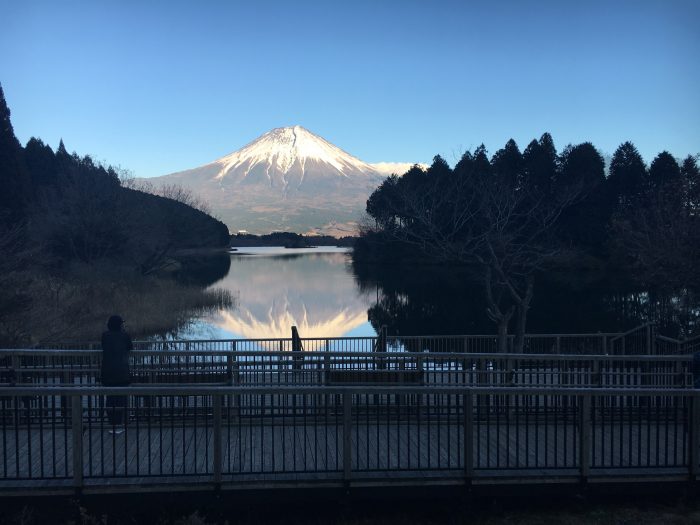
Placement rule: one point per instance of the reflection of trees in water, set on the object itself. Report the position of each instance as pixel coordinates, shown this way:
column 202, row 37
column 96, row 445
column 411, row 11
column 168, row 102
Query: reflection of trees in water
column 204, row 269
column 425, row 300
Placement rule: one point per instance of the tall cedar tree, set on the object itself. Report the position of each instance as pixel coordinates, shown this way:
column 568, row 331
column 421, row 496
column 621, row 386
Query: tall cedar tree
column 14, row 178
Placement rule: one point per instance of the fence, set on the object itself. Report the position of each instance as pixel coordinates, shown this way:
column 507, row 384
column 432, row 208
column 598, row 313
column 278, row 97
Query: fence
column 642, row 340
column 274, row 367
column 59, row 437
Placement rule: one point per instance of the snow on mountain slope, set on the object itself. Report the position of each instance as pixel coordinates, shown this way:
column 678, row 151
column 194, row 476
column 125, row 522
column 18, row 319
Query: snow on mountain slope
column 398, row 168
column 287, row 179
column 282, row 148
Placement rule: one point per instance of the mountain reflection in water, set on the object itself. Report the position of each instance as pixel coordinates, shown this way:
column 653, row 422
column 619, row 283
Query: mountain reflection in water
column 277, row 288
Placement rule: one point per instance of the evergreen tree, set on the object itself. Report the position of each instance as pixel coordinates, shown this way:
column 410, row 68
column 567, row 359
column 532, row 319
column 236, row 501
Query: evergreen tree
column 482, row 165
column 691, row 180
column 628, row 174
column 14, row 179
column 41, row 163
column 664, row 172
column 540, row 164
column 507, row 164
column 584, row 223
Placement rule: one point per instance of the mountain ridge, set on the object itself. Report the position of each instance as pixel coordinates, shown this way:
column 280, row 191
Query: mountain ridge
column 287, row 179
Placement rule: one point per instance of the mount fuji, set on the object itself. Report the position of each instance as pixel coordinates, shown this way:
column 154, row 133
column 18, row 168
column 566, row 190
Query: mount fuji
column 288, row 179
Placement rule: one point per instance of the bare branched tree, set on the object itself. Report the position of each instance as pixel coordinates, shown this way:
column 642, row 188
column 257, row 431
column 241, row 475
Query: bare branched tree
column 183, row 195
column 661, row 239
column 504, row 231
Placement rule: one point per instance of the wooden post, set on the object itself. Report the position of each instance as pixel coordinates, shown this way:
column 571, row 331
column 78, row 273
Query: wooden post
column 596, row 377
column 326, row 364
column 347, row 442
column 216, row 414
column 585, row 437
column 380, row 348
column 694, row 437
column 15, row 372
column 77, row 439
column 235, row 400
column 468, row 421
column 296, row 349
column 510, row 381
column 229, row 369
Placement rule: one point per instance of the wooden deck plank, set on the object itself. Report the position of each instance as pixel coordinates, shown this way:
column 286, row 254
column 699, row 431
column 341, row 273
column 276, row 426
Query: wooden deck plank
column 300, row 448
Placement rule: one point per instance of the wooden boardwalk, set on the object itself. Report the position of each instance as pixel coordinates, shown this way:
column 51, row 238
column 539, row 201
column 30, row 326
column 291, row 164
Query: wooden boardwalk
column 250, row 452
column 201, row 437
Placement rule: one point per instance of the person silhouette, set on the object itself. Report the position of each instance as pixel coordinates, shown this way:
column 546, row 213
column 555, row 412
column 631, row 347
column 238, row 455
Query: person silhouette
column 116, row 345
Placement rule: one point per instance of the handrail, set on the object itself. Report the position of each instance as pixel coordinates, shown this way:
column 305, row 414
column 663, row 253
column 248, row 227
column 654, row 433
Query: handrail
column 635, row 329
column 210, row 420
column 196, row 390
column 694, row 338
column 441, row 356
column 348, row 353
column 358, row 338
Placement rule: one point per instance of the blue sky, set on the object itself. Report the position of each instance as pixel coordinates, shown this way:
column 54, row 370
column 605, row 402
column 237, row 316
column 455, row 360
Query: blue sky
column 157, row 87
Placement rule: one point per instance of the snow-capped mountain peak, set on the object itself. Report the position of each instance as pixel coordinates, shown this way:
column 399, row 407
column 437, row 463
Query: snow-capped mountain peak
column 282, row 149
column 286, row 179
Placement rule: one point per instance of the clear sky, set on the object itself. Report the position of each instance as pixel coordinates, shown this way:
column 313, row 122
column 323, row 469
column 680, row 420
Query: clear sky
column 157, row 87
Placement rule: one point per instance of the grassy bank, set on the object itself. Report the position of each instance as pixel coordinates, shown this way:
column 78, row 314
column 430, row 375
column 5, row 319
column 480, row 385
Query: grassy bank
column 76, row 305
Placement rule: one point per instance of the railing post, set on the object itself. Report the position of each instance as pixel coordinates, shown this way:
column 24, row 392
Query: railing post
column 468, row 400
column 77, row 440
column 585, row 437
column 694, row 466
column 347, row 442
column 596, row 375
column 605, row 345
column 216, row 414
column 16, row 373
column 649, row 339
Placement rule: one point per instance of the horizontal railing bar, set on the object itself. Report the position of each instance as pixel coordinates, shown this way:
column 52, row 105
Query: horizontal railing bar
column 437, row 356
column 365, row 338
column 198, row 390
column 631, row 331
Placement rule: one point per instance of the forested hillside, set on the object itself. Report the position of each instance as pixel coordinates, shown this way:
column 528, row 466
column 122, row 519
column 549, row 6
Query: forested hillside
column 510, row 217
column 66, row 220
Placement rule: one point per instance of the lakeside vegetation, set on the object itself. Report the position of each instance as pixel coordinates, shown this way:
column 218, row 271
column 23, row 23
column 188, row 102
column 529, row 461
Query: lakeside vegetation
column 510, row 219
column 78, row 246
column 290, row 240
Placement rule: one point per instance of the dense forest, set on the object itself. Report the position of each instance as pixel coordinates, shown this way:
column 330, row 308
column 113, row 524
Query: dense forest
column 78, row 244
column 508, row 219
column 290, row 240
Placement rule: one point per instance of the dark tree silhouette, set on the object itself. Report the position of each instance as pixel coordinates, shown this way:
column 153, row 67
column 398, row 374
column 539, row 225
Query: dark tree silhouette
column 540, row 164
column 14, row 178
column 584, row 223
column 628, row 175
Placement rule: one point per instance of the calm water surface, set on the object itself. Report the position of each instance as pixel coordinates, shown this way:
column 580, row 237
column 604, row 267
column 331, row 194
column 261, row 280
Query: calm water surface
column 322, row 293
column 277, row 288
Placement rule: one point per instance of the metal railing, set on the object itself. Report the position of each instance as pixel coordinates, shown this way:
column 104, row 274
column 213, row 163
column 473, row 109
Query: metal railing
column 227, row 435
column 642, row 340
column 274, row 367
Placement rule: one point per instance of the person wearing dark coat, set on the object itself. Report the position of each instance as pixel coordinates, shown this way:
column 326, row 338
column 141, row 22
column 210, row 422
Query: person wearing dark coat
column 116, row 345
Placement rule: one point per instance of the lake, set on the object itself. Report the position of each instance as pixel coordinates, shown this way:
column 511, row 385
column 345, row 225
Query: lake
column 276, row 288
column 324, row 294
